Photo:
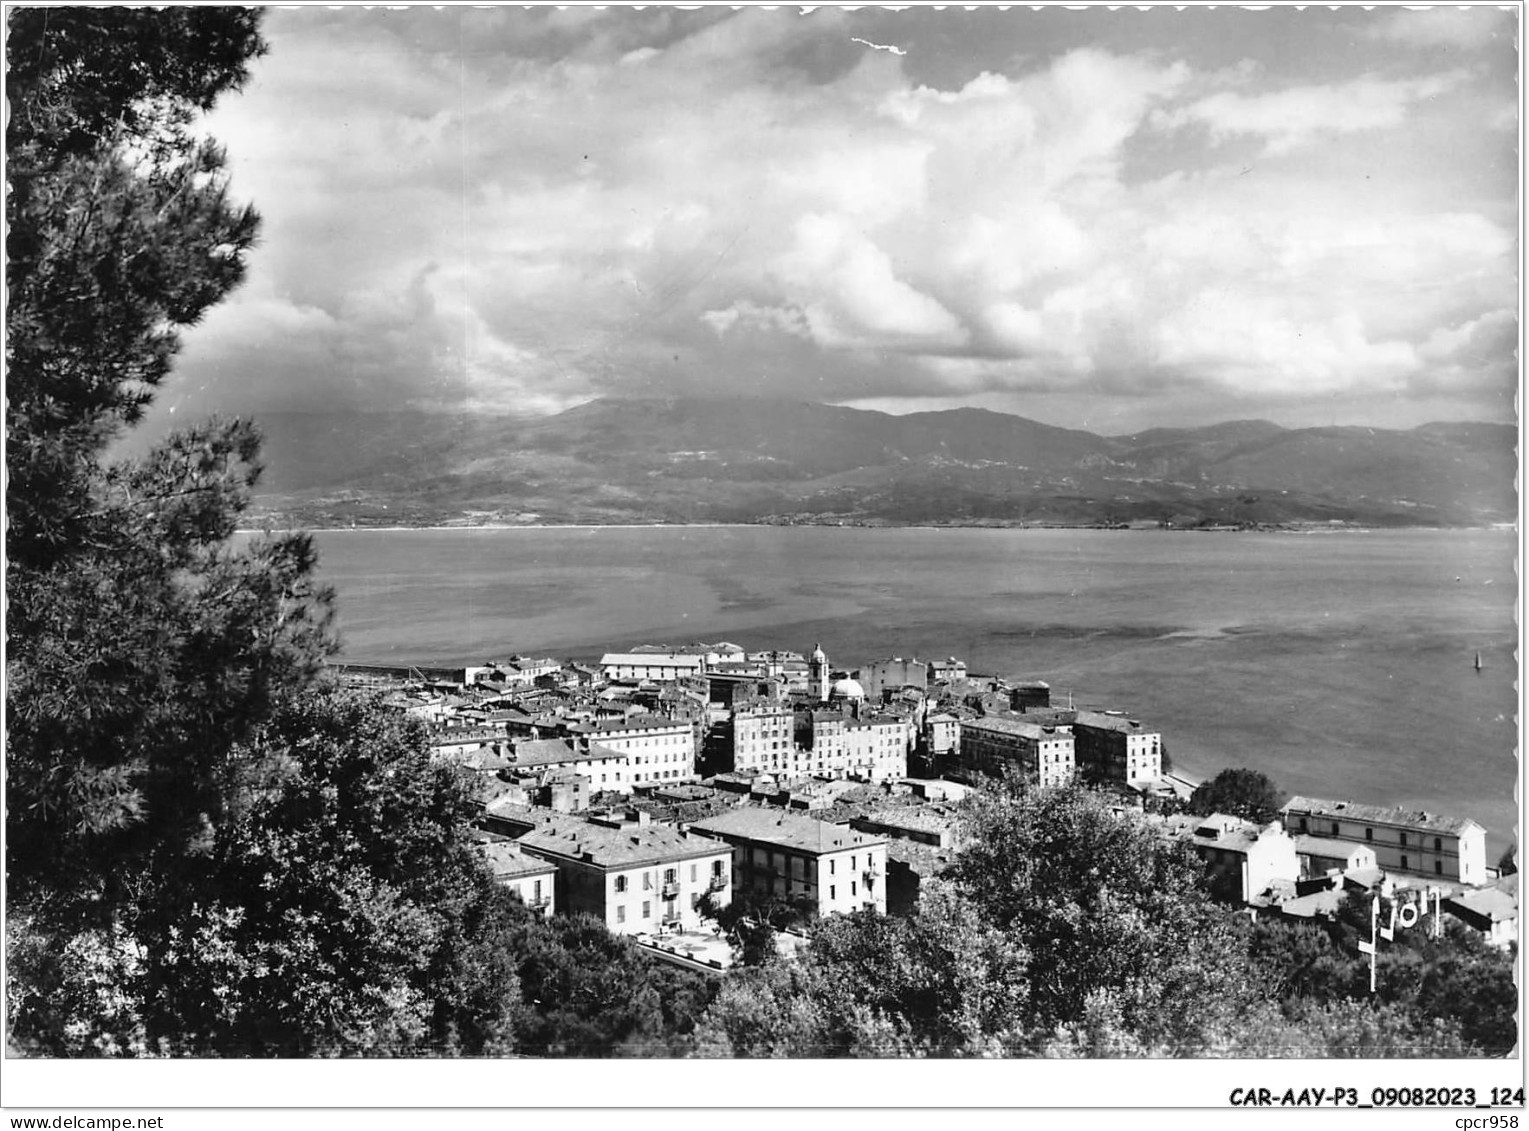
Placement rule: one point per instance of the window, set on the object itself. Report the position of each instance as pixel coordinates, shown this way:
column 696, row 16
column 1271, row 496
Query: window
column 1335, row 828
column 716, row 867
column 1369, row 834
column 1404, row 863
column 832, row 866
column 692, row 873
column 647, row 909
column 853, row 890
column 536, row 890
column 1404, row 842
column 1438, row 844
column 831, row 890
column 1438, row 867
column 647, row 881
column 621, row 914
column 621, row 883
column 671, row 875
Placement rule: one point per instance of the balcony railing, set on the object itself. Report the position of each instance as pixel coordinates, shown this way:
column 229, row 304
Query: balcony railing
column 717, row 883
column 670, row 890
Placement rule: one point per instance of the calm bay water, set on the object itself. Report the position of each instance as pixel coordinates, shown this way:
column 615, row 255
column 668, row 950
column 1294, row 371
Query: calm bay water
column 1341, row 664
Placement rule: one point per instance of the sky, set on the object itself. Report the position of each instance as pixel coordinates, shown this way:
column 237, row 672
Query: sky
column 1108, row 220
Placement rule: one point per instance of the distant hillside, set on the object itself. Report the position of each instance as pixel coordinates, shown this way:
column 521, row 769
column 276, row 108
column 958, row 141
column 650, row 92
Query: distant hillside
column 747, row 460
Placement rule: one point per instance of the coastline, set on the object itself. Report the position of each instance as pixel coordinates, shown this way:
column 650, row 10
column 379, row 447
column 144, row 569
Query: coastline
column 1292, row 528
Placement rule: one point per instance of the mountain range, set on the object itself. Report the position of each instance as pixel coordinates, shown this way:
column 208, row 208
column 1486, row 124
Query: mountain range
column 755, row 460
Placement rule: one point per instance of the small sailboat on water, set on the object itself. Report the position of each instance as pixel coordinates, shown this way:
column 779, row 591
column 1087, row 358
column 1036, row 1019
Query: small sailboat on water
column 1478, row 661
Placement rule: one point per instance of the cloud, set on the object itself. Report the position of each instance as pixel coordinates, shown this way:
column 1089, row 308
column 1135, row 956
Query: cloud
column 851, row 293
column 1454, row 356
column 1463, row 28
column 743, row 316
column 501, row 208
column 1298, row 116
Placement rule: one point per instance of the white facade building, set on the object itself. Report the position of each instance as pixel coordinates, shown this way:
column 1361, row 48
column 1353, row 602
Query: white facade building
column 1404, row 840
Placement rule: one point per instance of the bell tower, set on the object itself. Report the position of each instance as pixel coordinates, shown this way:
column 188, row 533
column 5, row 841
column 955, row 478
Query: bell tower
column 817, row 673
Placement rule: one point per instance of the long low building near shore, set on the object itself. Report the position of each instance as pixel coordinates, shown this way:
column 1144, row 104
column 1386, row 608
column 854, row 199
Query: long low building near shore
column 661, row 666
column 1403, row 840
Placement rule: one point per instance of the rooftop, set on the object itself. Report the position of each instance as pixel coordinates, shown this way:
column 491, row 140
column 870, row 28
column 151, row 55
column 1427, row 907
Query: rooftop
column 922, row 859
column 655, row 659
column 454, row 735
column 923, row 818
column 480, row 759
column 685, row 791
column 1326, row 846
column 608, row 847
column 1017, row 727
column 1216, row 831
column 1490, row 903
column 788, row 830
column 1099, row 720
column 1419, row 819
column 507, row 861
column 545, row 751
column 641, row 722
column 1318, row 903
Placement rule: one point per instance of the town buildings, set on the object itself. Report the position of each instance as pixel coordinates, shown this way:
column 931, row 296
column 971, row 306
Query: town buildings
column 1029, row 694
column 1403, row 840
column 1247, row 862
column 886, row 676
column 534, row 880
column 1111, row 747
column 632, row 875
column 830, row 867
column 1322, row 856
column 1492, row 911
column 834, row 741
column 656, row 749
column 651, row 665
column 1046, row 751
column 764, row 738
column 950, row 670
column 807, row 794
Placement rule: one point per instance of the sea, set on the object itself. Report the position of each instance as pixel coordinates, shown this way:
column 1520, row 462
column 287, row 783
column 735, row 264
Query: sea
column 1340, row 663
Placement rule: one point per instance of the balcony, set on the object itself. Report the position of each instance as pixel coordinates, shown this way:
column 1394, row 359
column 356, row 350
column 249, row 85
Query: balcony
column 670, row 890
column 718, row 883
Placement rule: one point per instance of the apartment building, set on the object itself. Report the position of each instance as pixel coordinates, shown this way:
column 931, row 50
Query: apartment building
column 876, row 748
column 533, row 879
column 1116, row 748
column 634, row 876
column 1044, row 751
column 835, row 867
column 764, row 737
column 656, row 749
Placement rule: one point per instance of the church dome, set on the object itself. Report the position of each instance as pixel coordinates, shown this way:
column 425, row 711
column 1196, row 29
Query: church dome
column 817, row 654
column 847, row 688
